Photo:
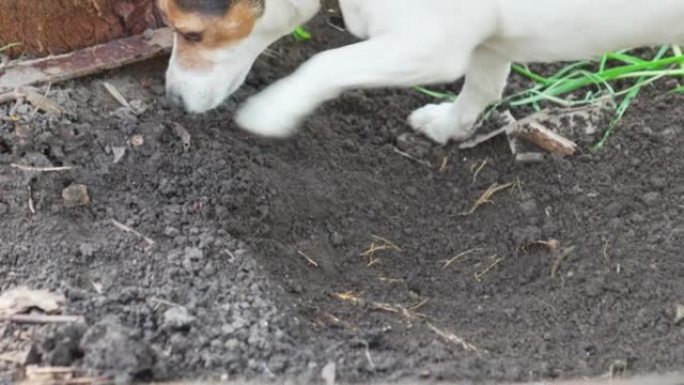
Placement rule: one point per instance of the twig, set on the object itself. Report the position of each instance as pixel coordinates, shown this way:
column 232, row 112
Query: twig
column 388, row 242
column 31, row 206
column 483, row 273
column 479, row 169
column 449, row 262
column 413, row 158
column 450, row 337
column 559, row 260
column 43, row 319
column 40, row 169
column 127, row 229
column 445, row 163
column 165, row 302
column 606, row 257
column 309, row 259
column 116, row 94
column 487, row 196
column 375, row 247
column 546, row 139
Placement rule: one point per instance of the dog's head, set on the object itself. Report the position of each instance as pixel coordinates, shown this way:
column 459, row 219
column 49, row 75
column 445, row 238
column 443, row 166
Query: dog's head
column 217, row 41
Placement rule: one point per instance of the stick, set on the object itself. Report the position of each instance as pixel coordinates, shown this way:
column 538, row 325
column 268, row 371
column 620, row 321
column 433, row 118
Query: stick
column 43, row 319
column 450, row 337
column 546, row 139
column 127, row 229
column 40, row 169
column 559, row 260
column 88, row 61
column 308, row 259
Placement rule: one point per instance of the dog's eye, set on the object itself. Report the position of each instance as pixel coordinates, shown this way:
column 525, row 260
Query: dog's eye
column 194, row 37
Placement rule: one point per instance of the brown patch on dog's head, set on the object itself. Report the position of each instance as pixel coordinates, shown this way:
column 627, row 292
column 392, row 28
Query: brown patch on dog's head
column 203, row 25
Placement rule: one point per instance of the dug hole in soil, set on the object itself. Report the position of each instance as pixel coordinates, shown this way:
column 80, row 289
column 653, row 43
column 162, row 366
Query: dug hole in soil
column 271, row 259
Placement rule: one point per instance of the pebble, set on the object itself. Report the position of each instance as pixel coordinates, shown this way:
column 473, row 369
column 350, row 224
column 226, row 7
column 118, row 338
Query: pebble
column 679, row 314
column 177, row 318
column 336, row 239
column 651, row 198
column 137, row 140
column 76, row 195
column 529, row 208
column 658, row 182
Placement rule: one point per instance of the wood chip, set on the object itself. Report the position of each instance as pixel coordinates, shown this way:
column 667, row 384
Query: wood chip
column 21, row 300
column 529, row 157
column 546, row 139
column 182, row 134
column 530, row 129
column 118, row 153
column 41, row 102
column 76, row 195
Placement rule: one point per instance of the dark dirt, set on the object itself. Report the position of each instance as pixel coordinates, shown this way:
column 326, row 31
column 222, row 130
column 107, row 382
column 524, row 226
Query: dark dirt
column 227, row 290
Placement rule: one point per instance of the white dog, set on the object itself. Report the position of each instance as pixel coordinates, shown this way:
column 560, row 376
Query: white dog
column 407, row 43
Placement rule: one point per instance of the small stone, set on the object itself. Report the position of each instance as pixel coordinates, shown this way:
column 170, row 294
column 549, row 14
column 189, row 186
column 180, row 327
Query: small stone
column 658, row 182
column 192, row 258
column 614, row 209
column 137, row 140
column 171, row 232
column 336, row 239
column 529, row 208
column 329, row 373
column 177, row 318
column 679, row 314
column 138, row 106
column 76, row 195
column 651, row 198
column 118, row 153
column 87, row 250
column 22, row 131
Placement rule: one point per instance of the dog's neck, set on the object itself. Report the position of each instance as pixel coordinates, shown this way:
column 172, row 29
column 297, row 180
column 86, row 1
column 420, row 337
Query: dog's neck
column 285, row 15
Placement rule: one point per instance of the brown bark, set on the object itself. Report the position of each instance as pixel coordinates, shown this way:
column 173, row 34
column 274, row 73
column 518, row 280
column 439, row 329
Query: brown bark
column 57, row 26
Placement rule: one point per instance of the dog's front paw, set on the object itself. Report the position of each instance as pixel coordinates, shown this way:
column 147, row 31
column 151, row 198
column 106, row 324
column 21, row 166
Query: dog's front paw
column 438, row 122
column 263, row 116
column 276, row 112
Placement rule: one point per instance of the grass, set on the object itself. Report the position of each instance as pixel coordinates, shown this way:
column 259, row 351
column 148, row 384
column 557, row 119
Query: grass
column 617, row 76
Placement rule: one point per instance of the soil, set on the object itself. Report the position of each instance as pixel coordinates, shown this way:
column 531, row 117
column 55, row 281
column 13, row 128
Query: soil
column 271, row 259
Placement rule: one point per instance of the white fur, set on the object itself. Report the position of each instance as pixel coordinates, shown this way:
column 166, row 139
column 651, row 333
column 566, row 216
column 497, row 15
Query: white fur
column 415, row 42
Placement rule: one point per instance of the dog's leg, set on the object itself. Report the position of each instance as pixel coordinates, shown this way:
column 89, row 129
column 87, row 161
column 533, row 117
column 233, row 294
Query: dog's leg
column 484, row 84
column 392, row 60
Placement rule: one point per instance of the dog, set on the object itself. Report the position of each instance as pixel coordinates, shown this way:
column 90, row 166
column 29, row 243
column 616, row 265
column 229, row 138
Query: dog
column 404, row 43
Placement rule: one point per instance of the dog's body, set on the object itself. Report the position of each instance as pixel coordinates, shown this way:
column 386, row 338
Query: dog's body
column 409, row 43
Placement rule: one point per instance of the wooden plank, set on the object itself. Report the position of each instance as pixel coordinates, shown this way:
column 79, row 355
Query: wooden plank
column 87, row 61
